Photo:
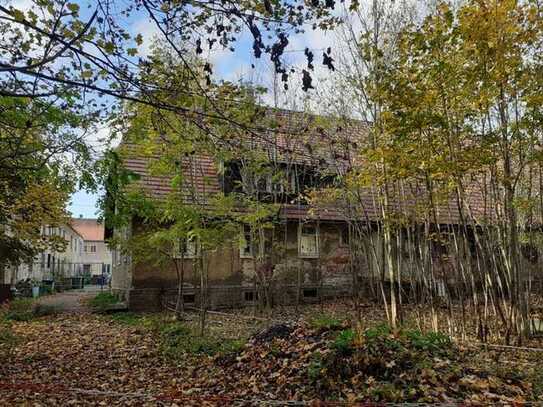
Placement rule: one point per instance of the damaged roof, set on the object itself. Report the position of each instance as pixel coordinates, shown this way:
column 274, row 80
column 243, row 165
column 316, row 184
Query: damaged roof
column 308, row 140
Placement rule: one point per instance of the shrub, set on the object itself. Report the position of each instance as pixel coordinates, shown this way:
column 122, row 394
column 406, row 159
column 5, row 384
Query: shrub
column 434, row 342
column 316, row 365
column 343, row 343
column 379, row 331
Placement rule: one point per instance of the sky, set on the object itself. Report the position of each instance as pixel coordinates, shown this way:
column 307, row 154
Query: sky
column 231, row 66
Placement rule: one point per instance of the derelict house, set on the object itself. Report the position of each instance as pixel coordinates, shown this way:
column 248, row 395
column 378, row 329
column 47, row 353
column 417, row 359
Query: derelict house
column 308, row 254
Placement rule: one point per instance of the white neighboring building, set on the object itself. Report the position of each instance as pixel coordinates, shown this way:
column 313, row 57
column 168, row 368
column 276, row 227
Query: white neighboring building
column 96, row 257
column 49, row 264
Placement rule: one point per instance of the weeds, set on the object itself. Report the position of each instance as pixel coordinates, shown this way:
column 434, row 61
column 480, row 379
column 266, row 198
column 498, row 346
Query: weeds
column 324, row 322
column 128, row 318
column 20, row 309
column 431, row 341
column 315, row 368
column 102, row 301
column 177, row 339
column 8, row 340
column 343, row 344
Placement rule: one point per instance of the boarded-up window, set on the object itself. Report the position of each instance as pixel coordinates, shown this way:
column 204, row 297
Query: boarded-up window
column 308, row 241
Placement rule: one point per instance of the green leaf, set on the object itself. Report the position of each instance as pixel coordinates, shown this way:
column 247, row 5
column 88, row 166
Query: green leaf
column 17, row 14
column 73, row 7
column 109, row 47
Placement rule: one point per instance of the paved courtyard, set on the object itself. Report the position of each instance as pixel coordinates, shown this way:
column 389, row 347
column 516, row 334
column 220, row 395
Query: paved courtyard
column 72, row 301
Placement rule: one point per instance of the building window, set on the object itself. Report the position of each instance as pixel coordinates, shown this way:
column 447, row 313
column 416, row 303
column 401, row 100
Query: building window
column 186, row 248
column 439, row 249
column 310, row 293
column 530, row 252
column 250, row 296
column 189, row 298
column 93, row 248
column 308, row 241
column 344, row 236
column 246, row 245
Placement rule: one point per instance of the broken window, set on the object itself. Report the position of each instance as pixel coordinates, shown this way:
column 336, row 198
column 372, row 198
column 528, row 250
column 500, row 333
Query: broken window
column 530, row 252
column 246, row 245
column 308, row 241
column 250, row 242
column 439, row 246
column 280, row 178
column 189, row 298
column 344, row 236
column 310, row 293
column 250, row 296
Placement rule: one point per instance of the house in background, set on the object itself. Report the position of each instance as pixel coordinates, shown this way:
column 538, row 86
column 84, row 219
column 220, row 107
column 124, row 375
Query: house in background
column 51, row 265
column 96, row 255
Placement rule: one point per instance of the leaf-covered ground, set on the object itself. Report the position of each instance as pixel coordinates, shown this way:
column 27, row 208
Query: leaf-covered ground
column 133, row 360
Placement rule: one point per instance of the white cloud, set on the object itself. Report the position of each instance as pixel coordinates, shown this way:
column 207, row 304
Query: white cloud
column 149, row 32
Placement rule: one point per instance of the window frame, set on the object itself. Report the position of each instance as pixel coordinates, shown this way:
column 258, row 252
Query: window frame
column 317, row 241
column 343, row 235
column 246, row 232
column 182, row 244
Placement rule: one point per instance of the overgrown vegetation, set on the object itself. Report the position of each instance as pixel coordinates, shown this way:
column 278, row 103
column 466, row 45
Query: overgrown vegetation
column 177, row 339
column 293, row 360
column 378, row 364
column 127, row 318
column 324, row 321
column 102, row 301
column 7, row 338
column 27, row 309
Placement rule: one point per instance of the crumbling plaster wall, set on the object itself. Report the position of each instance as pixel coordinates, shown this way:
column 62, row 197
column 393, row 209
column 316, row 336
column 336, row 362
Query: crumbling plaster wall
column 226, row 267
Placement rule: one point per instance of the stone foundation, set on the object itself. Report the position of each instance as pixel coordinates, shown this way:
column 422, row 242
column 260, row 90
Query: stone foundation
column 225, row 297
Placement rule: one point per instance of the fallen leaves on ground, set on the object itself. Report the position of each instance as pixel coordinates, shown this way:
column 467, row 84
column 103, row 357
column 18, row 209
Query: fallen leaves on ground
column 95, row 360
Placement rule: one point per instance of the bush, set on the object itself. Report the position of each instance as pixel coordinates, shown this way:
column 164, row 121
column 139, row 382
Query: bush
column 382, row 354
column 103, row 301
column 315, row 368
column 377, row 332
column 434, row 342
column 343, row 343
